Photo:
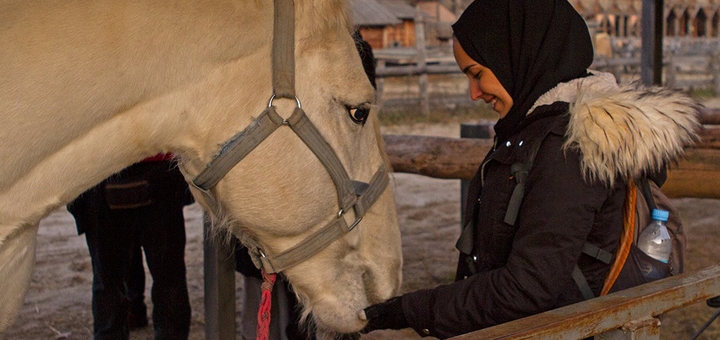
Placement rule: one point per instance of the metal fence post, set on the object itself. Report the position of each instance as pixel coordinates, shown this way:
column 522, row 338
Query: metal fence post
column 421, row 61
column 219, row 276
column 652, row 42
column 471, row 131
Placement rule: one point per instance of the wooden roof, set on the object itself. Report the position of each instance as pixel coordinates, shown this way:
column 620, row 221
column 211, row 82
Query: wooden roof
column 400, row 9
column 371, row 13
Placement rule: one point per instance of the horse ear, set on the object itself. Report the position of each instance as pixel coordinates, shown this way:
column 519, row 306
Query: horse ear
column 366, row 56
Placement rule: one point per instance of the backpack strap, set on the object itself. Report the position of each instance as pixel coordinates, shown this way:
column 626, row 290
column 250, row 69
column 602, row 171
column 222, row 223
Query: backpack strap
column 520, row 172
column 627, row 238
column 582, row 283
column 644, row 186
column 578, row 276
column 597, row 253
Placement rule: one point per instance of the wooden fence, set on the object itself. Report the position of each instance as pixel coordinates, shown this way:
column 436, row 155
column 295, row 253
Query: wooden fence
column 687, row 71
column 628, row 314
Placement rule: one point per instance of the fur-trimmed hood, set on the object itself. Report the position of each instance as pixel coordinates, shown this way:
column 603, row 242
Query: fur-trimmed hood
column 625, row 131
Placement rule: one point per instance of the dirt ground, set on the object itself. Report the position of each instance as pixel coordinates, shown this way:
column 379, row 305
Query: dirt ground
column 58, row 302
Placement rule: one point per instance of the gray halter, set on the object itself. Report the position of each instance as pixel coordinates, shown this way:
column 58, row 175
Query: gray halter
column 358, row 196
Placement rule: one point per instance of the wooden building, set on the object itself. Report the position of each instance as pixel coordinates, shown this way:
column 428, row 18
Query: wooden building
column 682, row 18
column 391, row 23
column 384, row 25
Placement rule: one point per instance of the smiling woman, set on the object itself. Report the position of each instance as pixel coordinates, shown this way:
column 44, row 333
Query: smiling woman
column 568, row 144
column 483, row 82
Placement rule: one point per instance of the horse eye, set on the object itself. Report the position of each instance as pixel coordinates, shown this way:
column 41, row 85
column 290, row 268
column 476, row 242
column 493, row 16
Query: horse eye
column 358, row 115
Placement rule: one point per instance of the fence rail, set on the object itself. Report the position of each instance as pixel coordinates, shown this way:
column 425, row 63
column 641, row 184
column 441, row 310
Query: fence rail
column 632, row 311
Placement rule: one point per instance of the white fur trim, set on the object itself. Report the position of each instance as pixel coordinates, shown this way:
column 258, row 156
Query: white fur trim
column 625, row 131
column 567, row 92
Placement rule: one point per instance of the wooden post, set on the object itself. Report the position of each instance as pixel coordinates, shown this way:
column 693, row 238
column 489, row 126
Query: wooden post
column 380, row 82
column 652, row 45
column 715, row 69
column 471, row 131
column 219, row 272
column 421, row 62
column 671, row 72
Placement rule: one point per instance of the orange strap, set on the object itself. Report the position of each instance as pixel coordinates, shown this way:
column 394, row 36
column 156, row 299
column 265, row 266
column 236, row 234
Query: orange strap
column 629, row 213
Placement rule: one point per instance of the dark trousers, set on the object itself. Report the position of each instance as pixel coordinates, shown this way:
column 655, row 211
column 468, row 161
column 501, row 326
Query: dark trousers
column 136, row 285
column 112, row 238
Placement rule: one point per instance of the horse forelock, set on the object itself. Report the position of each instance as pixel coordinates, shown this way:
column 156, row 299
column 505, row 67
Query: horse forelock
column 319, row 18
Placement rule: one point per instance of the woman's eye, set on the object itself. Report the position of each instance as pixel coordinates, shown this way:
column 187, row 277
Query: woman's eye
column 358, row 115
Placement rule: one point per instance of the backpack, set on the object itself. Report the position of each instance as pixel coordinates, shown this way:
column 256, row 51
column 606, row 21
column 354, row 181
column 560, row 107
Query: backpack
column 630, row 267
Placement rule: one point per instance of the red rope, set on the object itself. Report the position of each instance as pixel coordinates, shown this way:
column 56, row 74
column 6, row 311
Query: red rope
column 263, row 326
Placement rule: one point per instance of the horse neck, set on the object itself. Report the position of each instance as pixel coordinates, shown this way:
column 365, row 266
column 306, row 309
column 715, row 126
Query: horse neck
column 124, row 116
column 162, row 101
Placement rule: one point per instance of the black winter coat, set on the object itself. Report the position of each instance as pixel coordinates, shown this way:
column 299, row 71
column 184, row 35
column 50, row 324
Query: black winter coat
column 574, row 195
column 526, row 268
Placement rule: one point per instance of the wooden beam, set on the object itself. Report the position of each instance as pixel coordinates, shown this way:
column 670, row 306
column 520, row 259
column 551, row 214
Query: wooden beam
column 697, row 175
column 709, row 116
column 609, row 312
column 439, row 157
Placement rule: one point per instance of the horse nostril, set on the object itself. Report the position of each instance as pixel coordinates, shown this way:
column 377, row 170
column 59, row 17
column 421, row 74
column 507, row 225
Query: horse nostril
column 369, row 283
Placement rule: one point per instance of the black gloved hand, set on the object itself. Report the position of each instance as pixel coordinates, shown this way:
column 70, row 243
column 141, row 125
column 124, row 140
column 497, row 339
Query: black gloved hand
column 386, row 315
column 714, row 302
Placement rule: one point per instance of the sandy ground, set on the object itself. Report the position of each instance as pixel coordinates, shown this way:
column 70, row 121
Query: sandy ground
column 58, row 302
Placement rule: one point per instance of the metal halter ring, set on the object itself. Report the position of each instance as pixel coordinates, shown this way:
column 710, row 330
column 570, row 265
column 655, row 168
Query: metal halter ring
column 297, row 100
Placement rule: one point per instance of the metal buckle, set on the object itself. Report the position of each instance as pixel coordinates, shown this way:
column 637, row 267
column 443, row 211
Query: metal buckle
column 297, row 100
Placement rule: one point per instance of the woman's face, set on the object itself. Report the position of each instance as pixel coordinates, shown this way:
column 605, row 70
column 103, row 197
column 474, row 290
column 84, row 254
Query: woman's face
column 483, row 83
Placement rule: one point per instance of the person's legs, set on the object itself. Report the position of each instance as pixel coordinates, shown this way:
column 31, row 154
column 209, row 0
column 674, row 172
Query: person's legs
column 110, row 248
column 163, row 240
column 164, row 245
column 137, row 313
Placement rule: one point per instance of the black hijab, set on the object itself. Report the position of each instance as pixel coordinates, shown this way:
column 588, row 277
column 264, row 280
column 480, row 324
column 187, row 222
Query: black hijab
column 530, row 45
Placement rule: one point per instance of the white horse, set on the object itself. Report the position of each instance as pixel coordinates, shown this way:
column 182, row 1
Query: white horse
column 88, row 87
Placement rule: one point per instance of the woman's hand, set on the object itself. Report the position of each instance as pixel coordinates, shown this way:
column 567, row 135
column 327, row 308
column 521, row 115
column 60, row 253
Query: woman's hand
column 385, row 315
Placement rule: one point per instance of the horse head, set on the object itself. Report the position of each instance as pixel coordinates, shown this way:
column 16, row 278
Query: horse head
column 281, row 196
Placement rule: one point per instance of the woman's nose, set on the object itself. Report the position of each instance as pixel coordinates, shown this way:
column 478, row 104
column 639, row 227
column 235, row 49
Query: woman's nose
column 475, row 92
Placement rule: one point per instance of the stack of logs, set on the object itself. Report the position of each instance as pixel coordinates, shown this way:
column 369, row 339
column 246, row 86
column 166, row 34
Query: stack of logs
column 696, row 175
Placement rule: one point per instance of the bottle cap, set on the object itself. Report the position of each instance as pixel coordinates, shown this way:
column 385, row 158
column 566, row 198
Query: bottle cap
column 660, row 215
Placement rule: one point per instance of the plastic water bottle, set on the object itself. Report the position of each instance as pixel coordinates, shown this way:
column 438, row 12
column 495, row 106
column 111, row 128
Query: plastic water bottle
column 655, row 240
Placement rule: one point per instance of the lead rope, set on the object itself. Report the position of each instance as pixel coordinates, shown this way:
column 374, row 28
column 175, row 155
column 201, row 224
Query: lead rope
column 263, row 321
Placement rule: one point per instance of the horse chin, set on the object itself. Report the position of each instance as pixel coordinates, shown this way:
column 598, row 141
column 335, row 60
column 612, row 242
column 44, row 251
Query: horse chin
column 333, row 318
column 334, row 308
